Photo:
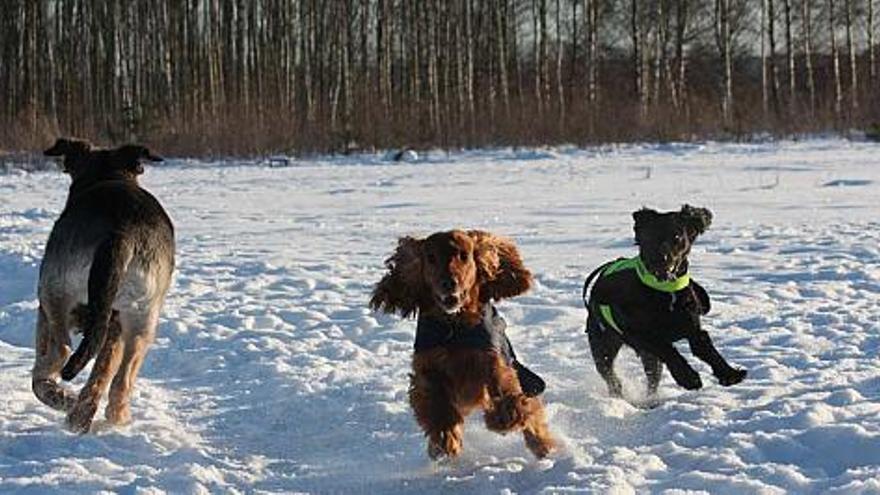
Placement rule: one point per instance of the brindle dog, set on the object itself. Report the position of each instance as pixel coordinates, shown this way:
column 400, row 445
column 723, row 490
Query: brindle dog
column 106, row 270
column 650, row 301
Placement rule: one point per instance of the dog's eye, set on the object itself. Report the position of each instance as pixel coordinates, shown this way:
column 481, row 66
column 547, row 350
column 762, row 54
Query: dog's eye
column 464, row 255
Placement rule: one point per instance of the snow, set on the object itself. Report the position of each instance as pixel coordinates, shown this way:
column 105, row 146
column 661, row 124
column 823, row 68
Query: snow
column 271, row 375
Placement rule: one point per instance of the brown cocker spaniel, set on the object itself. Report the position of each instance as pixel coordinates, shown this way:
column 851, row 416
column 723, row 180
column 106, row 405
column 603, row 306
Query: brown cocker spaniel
column 463, row 360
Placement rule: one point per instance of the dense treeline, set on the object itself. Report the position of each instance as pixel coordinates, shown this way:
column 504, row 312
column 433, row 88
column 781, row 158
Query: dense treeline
column 254, row 76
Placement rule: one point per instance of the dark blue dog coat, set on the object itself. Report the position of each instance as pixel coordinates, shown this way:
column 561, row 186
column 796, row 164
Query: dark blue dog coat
column 432, row 332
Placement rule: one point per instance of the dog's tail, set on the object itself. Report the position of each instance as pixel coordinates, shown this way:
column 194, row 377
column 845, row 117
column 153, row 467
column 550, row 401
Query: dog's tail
column 109, row 265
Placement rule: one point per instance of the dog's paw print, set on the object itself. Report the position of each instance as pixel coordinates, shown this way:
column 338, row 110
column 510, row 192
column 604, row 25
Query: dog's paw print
column 732, row 377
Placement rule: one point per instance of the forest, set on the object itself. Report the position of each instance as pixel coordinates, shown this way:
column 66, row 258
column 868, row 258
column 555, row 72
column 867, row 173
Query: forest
column 251, row 77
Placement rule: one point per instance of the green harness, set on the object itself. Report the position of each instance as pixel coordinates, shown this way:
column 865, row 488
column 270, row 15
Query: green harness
column 646, row 277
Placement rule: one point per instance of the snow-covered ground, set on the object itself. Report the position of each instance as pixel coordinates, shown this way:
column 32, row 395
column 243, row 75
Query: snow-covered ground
column 271, row 375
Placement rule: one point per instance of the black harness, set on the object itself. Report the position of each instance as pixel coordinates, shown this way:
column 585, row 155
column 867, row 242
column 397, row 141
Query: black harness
column 488, row 335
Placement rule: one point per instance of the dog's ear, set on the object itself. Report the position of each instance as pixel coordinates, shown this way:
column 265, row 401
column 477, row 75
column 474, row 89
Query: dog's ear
column 129, row 157
column 74, row 151
column 500, row 269
column 697, row 220
column 68, row 148
column 643, row 217
column 401, row 289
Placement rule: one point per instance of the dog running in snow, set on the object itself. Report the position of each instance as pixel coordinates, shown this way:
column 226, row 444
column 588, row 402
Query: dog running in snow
column 106, row 270
column 650, row 301
column 463, row 361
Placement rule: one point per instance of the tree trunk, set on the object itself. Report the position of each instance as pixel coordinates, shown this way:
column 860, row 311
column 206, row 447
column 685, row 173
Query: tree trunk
column 774, row 73
column 838, row 92
column 851, row 49
column 501, row 44
column 872, row 65
column 560, row 90
column 723, row 40
column 594, row 54
column 543, row 59
column 789, row 54
column 638, row 73
column 807, row 35
column 681, row 16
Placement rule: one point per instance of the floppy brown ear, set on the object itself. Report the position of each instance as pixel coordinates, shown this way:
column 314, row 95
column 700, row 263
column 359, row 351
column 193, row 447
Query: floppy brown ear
column 401, row 289
column 500, row 269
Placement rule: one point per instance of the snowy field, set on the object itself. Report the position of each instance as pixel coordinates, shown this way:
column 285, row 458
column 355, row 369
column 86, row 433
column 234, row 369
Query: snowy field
column 271, row 375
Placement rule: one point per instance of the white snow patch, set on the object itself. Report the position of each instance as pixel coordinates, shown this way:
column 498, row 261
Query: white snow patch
column 270, row 375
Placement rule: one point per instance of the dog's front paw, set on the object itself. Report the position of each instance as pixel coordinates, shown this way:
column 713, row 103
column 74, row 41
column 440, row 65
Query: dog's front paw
column 444, row 444
column 79, row 419
column 732, row 377
column 687, row 378
column 540, row 445
column 507, row 413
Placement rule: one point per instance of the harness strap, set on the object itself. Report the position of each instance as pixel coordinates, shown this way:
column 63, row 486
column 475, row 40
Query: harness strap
column 590, row 278
column 608, row 315
column 648, row 279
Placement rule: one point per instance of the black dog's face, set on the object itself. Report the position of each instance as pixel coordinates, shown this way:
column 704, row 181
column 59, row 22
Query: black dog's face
column 665, row 239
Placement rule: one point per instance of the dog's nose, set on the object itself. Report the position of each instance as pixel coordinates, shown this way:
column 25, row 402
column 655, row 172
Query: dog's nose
column 447, row 284
column 450, row 300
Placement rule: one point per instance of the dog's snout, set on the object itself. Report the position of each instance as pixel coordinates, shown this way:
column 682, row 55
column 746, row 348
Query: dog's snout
column 451, row 300
column 447, row 284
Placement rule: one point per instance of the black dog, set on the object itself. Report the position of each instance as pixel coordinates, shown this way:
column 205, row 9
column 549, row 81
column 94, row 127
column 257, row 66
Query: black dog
column 649, row 302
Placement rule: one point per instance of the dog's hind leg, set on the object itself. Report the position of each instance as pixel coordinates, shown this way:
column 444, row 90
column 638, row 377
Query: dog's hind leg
column 653, row 371
column 604, row 345
column 52, row 350
column 435, row 413
column 702, row 347
column 137, row 337
column 79, row 418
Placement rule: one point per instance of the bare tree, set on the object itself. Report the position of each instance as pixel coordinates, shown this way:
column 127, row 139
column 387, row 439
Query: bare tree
column 872, row 65
column 835, row 56
column 637, row 55
column 789, row 53
column 723, row 35
column 251, row 76
column 807, row 39
column 560, row 85
column 851, row 50
column 773, row 76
